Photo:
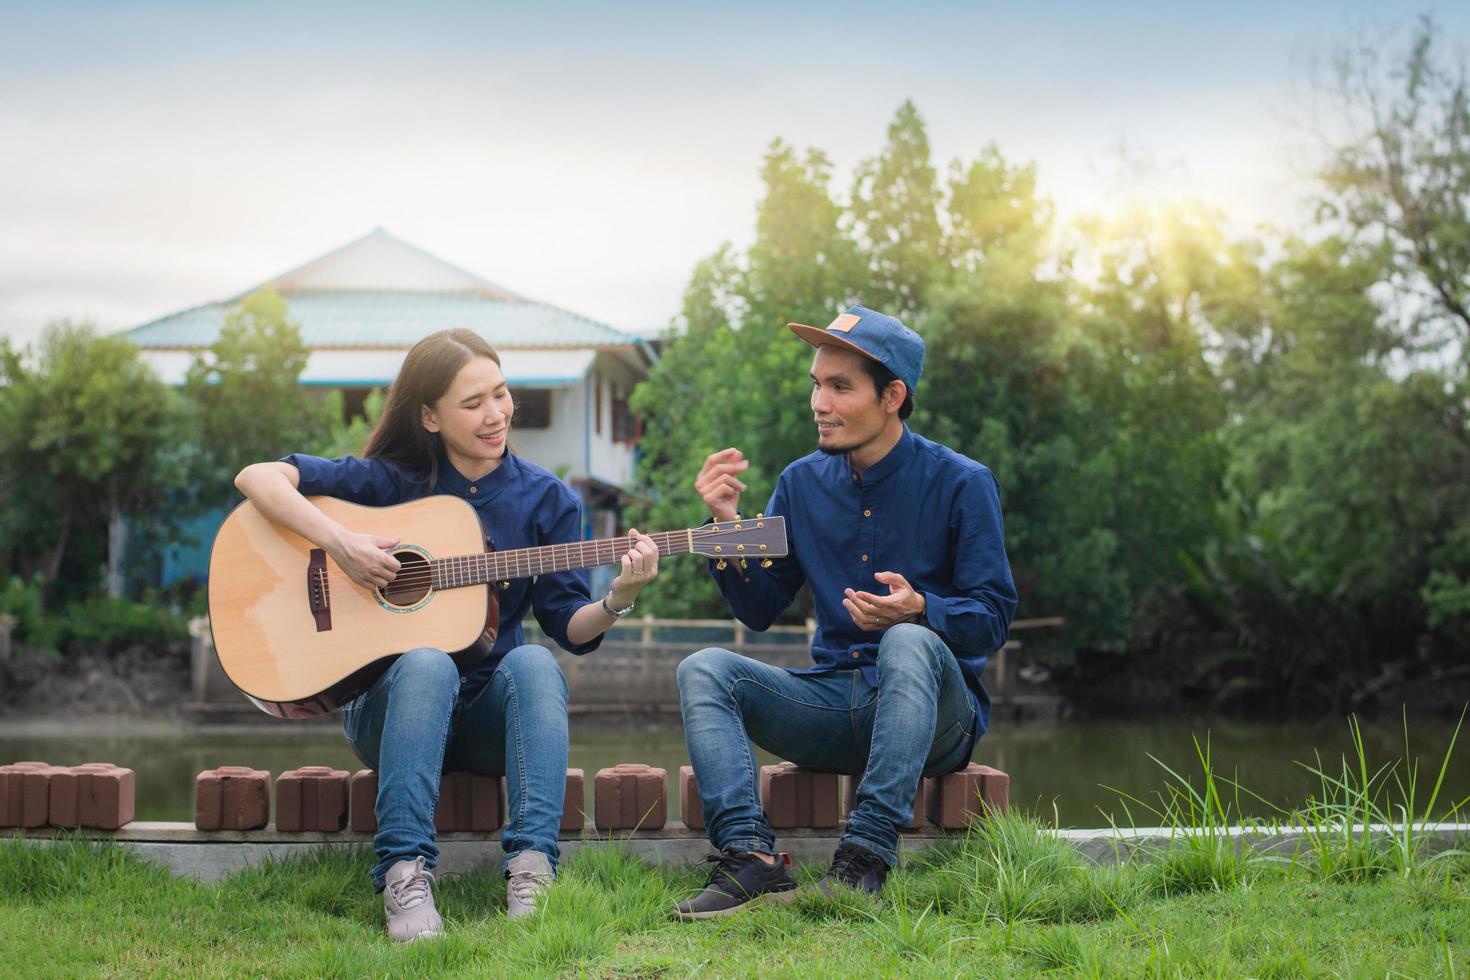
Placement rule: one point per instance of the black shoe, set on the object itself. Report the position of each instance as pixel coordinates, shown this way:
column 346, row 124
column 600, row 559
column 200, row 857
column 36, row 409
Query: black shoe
column 740, row 879
column 854, row 867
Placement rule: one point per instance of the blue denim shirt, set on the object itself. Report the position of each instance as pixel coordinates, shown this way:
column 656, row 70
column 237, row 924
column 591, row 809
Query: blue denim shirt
column 520, row 505
column 923, row 511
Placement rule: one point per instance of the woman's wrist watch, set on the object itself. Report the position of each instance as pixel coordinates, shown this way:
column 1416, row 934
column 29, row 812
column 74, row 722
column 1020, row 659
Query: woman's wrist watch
column 616, row 613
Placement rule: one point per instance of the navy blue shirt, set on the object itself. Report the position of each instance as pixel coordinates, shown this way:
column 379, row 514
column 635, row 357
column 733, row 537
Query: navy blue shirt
column 923, row 511
column 520, row 505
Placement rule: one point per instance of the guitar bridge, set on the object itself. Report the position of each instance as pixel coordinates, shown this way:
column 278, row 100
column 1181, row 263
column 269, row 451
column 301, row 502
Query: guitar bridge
column 318, row 590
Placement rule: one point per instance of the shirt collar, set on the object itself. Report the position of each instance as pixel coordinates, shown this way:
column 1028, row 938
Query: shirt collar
column 897, row 457
column 453, row 481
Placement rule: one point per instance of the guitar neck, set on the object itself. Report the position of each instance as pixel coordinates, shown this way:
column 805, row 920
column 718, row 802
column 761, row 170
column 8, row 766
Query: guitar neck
column 500, row 566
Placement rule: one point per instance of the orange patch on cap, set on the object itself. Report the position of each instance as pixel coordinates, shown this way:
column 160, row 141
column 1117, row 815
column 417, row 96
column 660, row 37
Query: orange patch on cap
column 844, row 323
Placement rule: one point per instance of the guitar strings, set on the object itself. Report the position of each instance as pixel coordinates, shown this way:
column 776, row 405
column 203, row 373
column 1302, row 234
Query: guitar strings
column 421, row 574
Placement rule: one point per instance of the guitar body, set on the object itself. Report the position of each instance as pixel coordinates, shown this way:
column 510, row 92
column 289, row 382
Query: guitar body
column 294, row 658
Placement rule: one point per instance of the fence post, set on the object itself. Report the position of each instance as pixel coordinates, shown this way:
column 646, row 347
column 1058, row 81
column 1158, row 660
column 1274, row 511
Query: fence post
column 739, row 629
column 811, row 631
column 647, row 629
column 7, row 623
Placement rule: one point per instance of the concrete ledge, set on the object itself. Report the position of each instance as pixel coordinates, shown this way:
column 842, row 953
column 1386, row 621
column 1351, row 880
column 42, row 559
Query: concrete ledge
column 210, row 855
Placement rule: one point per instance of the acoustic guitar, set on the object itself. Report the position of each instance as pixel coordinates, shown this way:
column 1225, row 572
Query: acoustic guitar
column 299, row 638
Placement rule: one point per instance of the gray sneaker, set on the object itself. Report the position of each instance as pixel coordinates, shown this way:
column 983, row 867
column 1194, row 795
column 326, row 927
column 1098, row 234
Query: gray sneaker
column 408, row 901
column 528, row 876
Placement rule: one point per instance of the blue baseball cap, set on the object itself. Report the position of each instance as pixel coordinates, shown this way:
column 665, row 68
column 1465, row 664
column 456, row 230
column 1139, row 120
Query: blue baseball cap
column 874, row 335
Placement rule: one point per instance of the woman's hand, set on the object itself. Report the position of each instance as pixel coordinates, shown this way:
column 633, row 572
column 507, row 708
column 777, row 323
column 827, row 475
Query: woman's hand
column 640, row 565
column 365, row 558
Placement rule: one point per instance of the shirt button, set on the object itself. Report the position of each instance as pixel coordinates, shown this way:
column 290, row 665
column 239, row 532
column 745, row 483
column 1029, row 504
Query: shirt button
column 867, row 513
column 865, row 557
column 463, row 679
column 474, row 489
column 856, row 655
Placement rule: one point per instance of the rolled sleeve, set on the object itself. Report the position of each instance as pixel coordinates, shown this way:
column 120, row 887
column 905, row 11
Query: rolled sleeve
column 372, row 482
column 556, row 596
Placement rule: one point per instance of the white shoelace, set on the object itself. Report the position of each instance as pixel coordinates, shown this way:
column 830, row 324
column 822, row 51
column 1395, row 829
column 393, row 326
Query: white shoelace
column 527, row 884
column 412, row 890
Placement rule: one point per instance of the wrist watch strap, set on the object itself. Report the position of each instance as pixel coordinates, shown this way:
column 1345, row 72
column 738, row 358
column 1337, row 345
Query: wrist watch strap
column 616, row 613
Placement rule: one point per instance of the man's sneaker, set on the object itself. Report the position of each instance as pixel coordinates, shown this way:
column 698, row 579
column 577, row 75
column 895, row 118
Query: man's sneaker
column 408, row 902
column 740, row 879
column 528, row 876
column 854, row 867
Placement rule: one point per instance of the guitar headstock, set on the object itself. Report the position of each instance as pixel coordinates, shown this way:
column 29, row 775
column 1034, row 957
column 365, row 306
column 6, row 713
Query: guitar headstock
column 750, row 537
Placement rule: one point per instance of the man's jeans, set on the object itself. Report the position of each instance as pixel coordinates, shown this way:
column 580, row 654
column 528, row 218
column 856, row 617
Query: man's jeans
column 412, row 726
column 919, row 720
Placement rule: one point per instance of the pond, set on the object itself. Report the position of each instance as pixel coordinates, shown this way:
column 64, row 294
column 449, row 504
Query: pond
column 1073, row 769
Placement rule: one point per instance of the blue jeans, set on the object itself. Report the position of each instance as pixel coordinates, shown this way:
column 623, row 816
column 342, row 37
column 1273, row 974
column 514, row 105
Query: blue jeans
column 412, row 726
column 918, row 720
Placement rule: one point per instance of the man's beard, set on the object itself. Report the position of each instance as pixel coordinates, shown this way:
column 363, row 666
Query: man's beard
column 830, row 450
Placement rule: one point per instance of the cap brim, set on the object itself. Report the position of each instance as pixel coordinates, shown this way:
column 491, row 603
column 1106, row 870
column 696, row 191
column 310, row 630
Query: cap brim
column 816, row 336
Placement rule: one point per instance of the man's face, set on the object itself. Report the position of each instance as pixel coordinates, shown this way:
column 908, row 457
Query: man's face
column 845, row 402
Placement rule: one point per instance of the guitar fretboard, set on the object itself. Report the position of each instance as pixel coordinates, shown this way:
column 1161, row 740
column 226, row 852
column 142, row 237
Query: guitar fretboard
column 498, row 566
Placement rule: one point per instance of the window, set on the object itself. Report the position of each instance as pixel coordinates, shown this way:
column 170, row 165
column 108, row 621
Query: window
column 533, row 408
column 625, row 426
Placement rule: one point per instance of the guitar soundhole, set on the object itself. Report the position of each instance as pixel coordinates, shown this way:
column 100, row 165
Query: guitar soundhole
column 412, row 583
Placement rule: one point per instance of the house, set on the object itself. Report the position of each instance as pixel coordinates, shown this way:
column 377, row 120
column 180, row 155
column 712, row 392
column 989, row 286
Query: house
column 362, row 306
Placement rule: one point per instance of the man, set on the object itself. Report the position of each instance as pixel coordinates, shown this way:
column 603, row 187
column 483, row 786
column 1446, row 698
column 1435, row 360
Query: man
column 901, row 541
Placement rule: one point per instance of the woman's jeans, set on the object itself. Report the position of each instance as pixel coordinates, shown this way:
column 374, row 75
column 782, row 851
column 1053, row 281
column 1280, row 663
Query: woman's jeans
column 412, row 726
column 918, row 720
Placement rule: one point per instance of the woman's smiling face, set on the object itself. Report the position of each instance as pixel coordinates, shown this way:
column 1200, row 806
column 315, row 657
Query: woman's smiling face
column 473, row 417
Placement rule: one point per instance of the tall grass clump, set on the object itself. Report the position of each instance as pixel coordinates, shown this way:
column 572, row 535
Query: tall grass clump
column 1365, row 821
column 1010, row 869
column 1204, row 850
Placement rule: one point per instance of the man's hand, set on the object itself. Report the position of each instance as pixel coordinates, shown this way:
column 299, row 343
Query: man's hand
column 718, row 484
column 640, row 565
column 365, row 558
column 875, row 613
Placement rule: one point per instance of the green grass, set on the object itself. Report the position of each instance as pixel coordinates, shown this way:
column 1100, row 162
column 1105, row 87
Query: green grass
column 1006, row 899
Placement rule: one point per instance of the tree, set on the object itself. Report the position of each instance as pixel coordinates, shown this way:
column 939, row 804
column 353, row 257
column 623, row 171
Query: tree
column 86, row 431
column 249, row 404
column 1405, row 182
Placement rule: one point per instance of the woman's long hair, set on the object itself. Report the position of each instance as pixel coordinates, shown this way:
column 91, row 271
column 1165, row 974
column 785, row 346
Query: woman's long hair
column 426, row 375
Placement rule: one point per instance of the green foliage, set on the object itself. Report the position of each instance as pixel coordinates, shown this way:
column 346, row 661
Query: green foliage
column 247, row 399
column 87, row 433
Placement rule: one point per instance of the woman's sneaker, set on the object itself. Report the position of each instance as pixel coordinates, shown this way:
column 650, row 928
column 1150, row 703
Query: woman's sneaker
column 528, row 876
column 740, row 879
column 408, row 902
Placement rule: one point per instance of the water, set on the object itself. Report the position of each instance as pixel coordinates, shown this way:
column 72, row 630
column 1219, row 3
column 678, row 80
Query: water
column 1065, row 768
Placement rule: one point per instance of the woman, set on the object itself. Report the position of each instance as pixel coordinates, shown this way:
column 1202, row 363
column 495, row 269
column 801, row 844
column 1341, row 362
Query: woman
column 444, row 429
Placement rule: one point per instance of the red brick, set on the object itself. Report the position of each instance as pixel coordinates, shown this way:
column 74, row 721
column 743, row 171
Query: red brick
column 572, row 815
column 629, row 797
column 105, row 795
column 691, row 808
column 61, row 794
column 312, row 798
column 952, row 800
column 24, row 794
column 363, row 791
column 796, row 797
column 468, row 802
column 232, row 798
column 916, row 822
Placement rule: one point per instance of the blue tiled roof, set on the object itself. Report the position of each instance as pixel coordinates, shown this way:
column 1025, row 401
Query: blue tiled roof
column 362, row 318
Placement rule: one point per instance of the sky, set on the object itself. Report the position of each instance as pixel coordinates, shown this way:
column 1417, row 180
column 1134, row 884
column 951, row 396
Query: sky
column 156, row 156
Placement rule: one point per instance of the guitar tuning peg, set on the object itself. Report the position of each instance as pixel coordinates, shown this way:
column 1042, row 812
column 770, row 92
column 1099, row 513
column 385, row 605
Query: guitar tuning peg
column 766, row 563
column 721, row 565
column 505, row 584
column 760, row 515
column 744, row 564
